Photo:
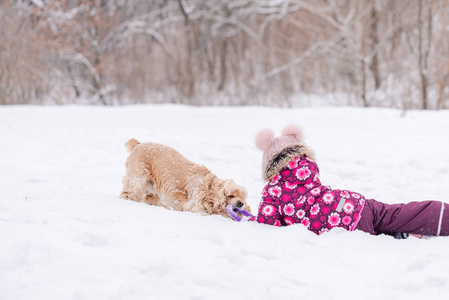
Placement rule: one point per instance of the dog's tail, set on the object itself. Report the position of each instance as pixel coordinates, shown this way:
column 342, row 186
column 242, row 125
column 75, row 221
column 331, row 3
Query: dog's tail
column 131, row 144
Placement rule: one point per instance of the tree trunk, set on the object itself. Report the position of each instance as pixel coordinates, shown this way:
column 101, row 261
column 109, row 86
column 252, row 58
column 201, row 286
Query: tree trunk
column 374, row 37
column 223, row 67
column 424, row 49
column 364, row 99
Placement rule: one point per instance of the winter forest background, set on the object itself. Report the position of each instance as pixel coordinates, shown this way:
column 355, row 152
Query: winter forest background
column 225, row 52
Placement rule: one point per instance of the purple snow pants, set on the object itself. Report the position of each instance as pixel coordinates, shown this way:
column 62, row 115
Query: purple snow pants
column 426, row 218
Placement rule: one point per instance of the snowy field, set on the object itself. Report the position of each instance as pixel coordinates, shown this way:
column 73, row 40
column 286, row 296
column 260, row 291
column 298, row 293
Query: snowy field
column 65, row 234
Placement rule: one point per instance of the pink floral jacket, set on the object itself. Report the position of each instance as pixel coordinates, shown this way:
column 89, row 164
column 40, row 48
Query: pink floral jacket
column 295, row 195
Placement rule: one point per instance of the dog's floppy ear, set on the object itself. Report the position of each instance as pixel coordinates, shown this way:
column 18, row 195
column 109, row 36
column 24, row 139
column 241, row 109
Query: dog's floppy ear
column 209, row 196
column 208, row 204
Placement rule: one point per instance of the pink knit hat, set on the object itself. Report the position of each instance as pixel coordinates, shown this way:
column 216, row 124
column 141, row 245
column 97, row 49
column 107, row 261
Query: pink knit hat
column 277, row 152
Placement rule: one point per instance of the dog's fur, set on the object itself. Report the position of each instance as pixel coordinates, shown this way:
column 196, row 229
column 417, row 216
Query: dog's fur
column 159, row 175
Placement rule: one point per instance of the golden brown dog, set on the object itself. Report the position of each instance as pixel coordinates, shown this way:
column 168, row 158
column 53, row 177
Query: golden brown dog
column 159, row 175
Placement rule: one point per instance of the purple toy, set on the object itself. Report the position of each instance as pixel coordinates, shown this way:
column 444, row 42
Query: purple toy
column 232, row 211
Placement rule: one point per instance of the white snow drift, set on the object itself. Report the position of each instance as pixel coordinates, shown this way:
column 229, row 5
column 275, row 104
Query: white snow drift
column 65, row 234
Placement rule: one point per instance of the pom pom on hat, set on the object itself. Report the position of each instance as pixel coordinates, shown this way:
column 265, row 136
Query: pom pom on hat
column 274, row 157
column 294, row 131
column 264, row 139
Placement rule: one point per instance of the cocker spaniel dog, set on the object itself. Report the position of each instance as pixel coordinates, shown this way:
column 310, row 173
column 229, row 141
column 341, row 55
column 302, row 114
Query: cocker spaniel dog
column 159, row 175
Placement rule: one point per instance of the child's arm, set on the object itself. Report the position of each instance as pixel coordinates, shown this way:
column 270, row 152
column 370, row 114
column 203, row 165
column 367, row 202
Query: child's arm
column 268, row 212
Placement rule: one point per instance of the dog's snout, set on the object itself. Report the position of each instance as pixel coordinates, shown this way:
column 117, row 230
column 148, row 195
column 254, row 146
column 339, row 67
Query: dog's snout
column 239, row 204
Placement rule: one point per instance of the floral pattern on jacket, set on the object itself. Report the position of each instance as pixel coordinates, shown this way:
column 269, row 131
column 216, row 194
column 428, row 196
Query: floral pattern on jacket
column 296, row 195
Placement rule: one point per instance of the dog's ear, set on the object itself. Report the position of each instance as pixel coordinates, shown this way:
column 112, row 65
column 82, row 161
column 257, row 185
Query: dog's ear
column 215, row 202
column 208, row 204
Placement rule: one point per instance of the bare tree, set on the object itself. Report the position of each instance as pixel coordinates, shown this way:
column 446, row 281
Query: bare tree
column 439, row 59
column 419, row 39
column 22, row 71
column 235, row 52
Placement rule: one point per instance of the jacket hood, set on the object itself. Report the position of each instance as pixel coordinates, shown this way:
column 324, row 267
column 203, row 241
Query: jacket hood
column 281, row 158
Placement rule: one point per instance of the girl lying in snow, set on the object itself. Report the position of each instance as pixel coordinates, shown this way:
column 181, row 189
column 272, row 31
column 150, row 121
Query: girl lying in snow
column 294, row 194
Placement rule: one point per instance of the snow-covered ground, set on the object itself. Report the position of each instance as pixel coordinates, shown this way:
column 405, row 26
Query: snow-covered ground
column 65, row 234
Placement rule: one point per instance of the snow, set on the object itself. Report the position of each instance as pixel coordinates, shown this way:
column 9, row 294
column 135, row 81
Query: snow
column 65, row 234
